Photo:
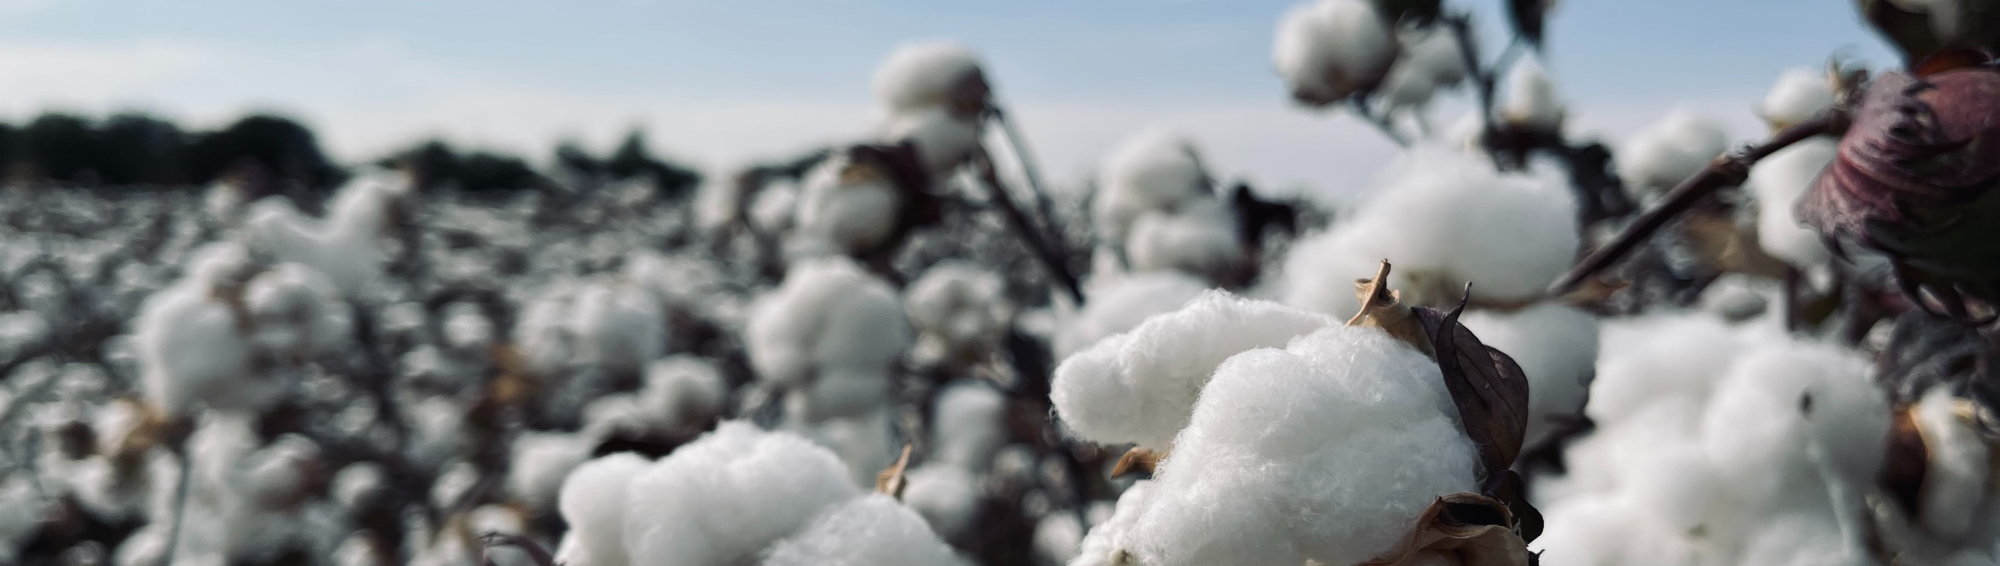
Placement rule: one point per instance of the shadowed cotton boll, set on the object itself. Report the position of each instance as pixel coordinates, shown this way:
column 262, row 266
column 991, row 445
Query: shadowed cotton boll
column 1139, row 387
column 1798, row 95
column 723, row 498
column 869, row 530
column 930, row 74
column 345, row 245
column 946, row 496
column 190, row 343
column 1057, row 538
column 944, row 141
column 1778, row 181
column 1662, row 154
column 1120, row 303
column 593, row 502
column 1530, row 99
column 832, row 330
column 851, row 208
column 1328, row 450
column 683, row 390
column 466, row 328
column 21, row 513
column 539, row 463
column 1431, row 61
column 967, row 427
column 775, row 209
column 298, row 312
column 1328, row 49
column 1199, row 238
column 1647, row 359
column 958, row 310
column 21, row 332
column 619, row 326
column 1156, row 169
column 1556, row 345
column 1446, row 218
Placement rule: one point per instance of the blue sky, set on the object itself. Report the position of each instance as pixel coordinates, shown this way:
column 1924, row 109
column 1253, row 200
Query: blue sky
column 718, row 82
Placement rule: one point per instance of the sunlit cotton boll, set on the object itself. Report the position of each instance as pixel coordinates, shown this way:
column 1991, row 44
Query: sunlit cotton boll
column 593, row 502
column 1556, row 345
column 1798, row 95
column 1444, row 218
column 848, row 205
column 1139, row 387
column 931, row 74
column 1328, row 450
column 1778, row 181
column 870, row 530
column 723, row 498
column 1120, row 303
column 189, row 341
column 1329, row 49
column 1154, row 170
column 1530, row 101
column 833, row 330
column 1662, row 154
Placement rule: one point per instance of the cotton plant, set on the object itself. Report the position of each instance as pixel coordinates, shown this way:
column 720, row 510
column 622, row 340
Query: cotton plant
column 960, row 314
column 1255, row 413
column 966, row 430
column 346, row 245
column 1660, row 155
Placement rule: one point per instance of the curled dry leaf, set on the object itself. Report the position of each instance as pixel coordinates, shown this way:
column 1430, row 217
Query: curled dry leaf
column 1906, row 463
column 891, row 481
column 1490, row 390
column 1382, row 308
column 1136, row 460
column 1463, row 529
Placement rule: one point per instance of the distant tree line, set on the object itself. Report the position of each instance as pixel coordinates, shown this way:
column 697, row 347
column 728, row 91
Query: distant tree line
column 134, row 149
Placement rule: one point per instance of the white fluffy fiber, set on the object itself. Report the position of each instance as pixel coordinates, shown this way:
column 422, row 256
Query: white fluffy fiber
column 21, row 512
column 943, row 140
column 1798, row 95
column 959, row 309
column 1119, row 303
column 619, row 326
column 1530, row 100
column 1199, row 238
column 298, row 312
column 853, row 210
column 538, row 463
column 1329, row 450
column 1431, row 61
column 345, row 244
column 831, row 329
column 871, row 530
column 923, row 75
column 189, row 342
column 1778, row 182
column 1154, row 170
column 1140, row 386
column 966, row 430
column 1328, row 49
column 1556, row 345
column 1443, row 218
column 594, row 503
column 775, row 209
column 1102, row 545
column 1664, row 153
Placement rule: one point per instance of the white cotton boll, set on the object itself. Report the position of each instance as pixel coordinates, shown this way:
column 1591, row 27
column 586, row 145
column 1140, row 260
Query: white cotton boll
column 1778, row 182
column 593, row 501
column 22, row 510
column 1609, row 531
column 1738, row 297
column 1556, row 345
column 862, row 442
column 1329, row 449
column 1782, row 399
column 436, row 431
column 359, row 485
column 966, row 425
column 1956, row 481
column 22, row 331
column 275, row 475
column 1662, row 154
column 1118, row 304
column 947, row 496
column 1058, row 537
column 190, row 348
column 1798, row 95
column 359, row 550
column 828, row 318
column 298, row 311
column 1797, row 539
column 959, row 306
column 454, row 485
column 871, row 530
column 1140, row 387
column 1644, row 359
column 723, row 497
column 849, row 205
column 1431, row 61
column 619, row 326
column 683, row 390
column 466, row 328
column 774, row 209
column 144, row 547
column 718, row 201
column 1530, row 99
column 540, row 461
column 925, row 75
column 1328, row 49
column 1106, row 540
column 345, row 244
column 943, row 141
column 1156, row 169
column 1200, row 238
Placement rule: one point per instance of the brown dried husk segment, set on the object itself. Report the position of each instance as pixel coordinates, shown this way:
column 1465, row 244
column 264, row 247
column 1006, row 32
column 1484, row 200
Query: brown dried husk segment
column 1462, row 528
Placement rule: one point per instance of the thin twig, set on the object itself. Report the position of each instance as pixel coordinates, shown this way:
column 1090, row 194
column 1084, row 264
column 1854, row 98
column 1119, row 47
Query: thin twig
column 1380, row 121
column 1724, row 171
column 1483, row 78
column 1057, row 266
column 1019, row 144
column 180, row 503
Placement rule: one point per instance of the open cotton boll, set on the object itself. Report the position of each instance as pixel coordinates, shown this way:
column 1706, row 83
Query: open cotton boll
column 1662, row 154
column 191, row 347
column 872, row 530
column 1430, row 61
column 1058, row 536
column 1796, row 539
column 359, row 485
column 1328, row 49
column 852, row 209
column 1784, row 397
column 959, row 308
column 1530, row 99
column 946, row 496
column 1120, row 303
column 466, row 328
column 1778, row 181
column 1556, row 345
column 1737, row 297
column 1799, row 94
column 298, row 311
column 593, row 501
column 21, row 332
column 929, row 74
column 863, row 442
column 683, row 390
column 828, row 317
column 718, row 201
column 1156, row 169
column 619, row 326
column 967, row 422
column 776, row 208
column 1329, row 450
column 1139, row 387
column 1642, row 360
column 720, row 499
column 344, row 245
column 1610, row 531
column 1199, row 238
column 944, row 141
column 1103, row 543
column 539, row 462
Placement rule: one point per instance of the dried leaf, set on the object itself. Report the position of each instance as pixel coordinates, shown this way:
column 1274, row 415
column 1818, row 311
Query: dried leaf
column 1906, row 463
column 892, row 480
column 1462, row 528
column 1381, row 308
column 1490, row 390
column 1136, row 460
column 1509, row 488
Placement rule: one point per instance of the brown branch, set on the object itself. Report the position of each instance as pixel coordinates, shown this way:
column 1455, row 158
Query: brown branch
column 1725, row 171
column 1380, row 121
column 1019, row 144
column 1053, row 260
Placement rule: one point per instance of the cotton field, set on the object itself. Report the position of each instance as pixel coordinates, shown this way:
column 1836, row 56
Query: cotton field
column 1520, row 345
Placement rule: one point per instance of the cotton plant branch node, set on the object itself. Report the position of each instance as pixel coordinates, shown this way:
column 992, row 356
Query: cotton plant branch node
column 1135, row 461
column 892, row 480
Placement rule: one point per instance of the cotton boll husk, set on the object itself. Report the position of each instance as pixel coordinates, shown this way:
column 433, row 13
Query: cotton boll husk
column 1798, row 95
column 924, row 75
column 854, row 212
column 723, row 497
column 593, row 501
column 1285, row 446
column 1760, row 423
column 1328, row 49
column 943, row 141
column 1778, row 181
column 1643, row 359
column 870, row 530
column 946, row 495
column 966, row 425
column 1430, row 61
column 1120, row 303
column 1105, row 539
column 1737, row 297
column 1199, row 238
column 1664, row 153
column 1530, row 99
column 1956, row 482
column 1156, row 169
column 540, row 461
column 1556, row 346
column 1140, row 387
column 619, row 326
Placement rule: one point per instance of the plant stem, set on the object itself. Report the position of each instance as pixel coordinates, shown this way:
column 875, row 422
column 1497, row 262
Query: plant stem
column 1380, row 121
column 1019, row 145
column 1051, row 259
